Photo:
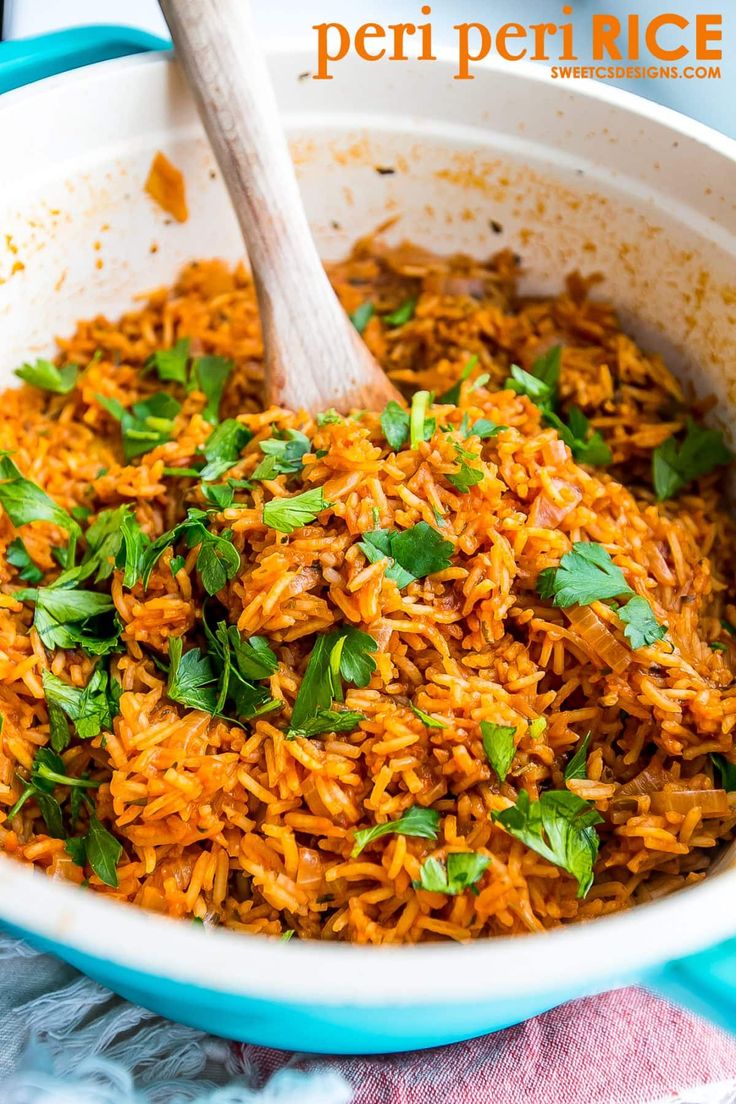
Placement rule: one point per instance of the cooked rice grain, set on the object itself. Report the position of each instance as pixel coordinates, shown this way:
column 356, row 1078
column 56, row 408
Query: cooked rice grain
column 254, row 831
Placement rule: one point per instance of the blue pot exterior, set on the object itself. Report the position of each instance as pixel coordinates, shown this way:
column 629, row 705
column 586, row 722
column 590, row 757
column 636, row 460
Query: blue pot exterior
column 318, row 1029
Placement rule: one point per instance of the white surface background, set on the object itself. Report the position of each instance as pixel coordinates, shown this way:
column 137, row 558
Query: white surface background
column 711, row 101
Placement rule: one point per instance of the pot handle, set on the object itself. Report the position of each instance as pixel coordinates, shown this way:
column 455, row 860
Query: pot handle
column 704, row 983
column 25, row 60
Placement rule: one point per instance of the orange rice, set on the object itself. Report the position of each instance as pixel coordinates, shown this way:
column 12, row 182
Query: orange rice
column 243, row 827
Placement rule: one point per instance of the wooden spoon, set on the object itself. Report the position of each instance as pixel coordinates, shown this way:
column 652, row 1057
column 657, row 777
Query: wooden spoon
column 314, row 358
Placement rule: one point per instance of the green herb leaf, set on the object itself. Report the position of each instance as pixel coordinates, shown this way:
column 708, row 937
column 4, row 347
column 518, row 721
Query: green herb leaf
column 132, row 551
column 341, row 654
column 223, row 448
column 254, row 657
column 430, row 722
column 485, row 429
column 104, row 540
column 415, row 552
column 45, row 375
column 146, row 425
column 417, row 821
column 466, row 476
column 539, row 385
column 560, row 827
column 586, row 447
column 402, row 314
column 362, row 316
column 191, row 678
column 499, row 746
column 462, row 871
column 421, row 428
column 171, row 364
column 24, row 501
column 283, row 455
column 329, row 417
column 69, row 618
column 453, row 394
column 59, row 732
column 221, row 495
column 537, row 727
column 675, row 464
column 327, row 720
column 209, row 375
column 287, row 514
column 218, row 560
column 586, row 574
column 395, row 425
column 91, row 709
column 642, row 628
column 17, row 554
column 578, row 764
column 727, row 771
column 103, row 852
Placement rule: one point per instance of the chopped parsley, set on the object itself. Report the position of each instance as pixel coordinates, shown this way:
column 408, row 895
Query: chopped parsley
column 540, row 385
column 221, row 495
column 131, row 553
column 343, row 654
column 452, row 396
column 45, row 375
column 499, row 746
column 223, row 447
column 287, row 514
column 104, row 539
column 588, row 574
column 421, row 427
column 417, row 821
column 675, row 464
column 148, row 424
column 415, row 553
column 218, row 560
column 560, row 827
column 329, row 417
column 727, row 771
column 462, row 870
column 578, row 764
column 91, row 709
column 537, row 727
column 48, row 772
column 67, row 617
column 430, row 722
column 588, row 448
column 403, row 313
column 99, row 848
column 466, row 476
column 209, row 375
column 642, row 627
column 24, row 502
column 17, row 554
column 362, row 316
column 484, row 429
column 171, row 364
column 238, row 665
column 395, row 425
column 283, row 455
column 191, row 678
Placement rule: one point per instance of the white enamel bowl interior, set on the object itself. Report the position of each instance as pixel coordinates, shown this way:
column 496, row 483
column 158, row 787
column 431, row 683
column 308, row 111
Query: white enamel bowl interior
column 589, row 179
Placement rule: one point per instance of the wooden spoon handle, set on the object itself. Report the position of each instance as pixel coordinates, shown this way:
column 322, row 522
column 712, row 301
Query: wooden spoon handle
column 314, row 359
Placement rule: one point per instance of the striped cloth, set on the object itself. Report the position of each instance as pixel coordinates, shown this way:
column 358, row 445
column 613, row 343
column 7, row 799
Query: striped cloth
column 66, row 1040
